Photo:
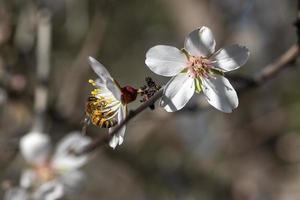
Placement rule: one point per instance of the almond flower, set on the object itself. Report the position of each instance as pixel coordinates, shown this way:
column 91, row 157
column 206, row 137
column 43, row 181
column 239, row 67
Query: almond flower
column 50, row 176
column 198, row 67
column 107, row 104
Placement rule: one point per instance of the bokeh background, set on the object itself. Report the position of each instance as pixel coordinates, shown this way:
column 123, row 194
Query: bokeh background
column 251, row 154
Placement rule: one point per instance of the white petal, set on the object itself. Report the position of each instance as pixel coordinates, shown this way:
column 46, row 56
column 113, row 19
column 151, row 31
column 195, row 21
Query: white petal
column 99, row 83
column 114, row 89
column 53, row 190
column 230, row 57
column 108, row 88
column 200, row 42
column 35, row 147
column 99, row 69
column 16, row 193
column 63, row 158
column 165, row 60
column 114, row 140
column 28, row 178
column 73, row 181
column 105, row 92
column 220, row 93
column 118, row 138
column 178, row 91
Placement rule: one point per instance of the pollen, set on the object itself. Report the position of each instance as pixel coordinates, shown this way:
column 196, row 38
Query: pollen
column 92, row 82
column 95, row 92
column 45, row 173
column 199, row 66
column 102, row 111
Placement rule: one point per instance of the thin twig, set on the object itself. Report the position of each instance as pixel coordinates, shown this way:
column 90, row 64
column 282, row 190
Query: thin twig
column 132, row 113
column 273, row 69
column 270, row 71
column 266, row 74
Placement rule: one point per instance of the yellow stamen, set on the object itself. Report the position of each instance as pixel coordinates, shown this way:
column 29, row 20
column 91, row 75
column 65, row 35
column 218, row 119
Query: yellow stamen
column 94, row 92
column 92, row 82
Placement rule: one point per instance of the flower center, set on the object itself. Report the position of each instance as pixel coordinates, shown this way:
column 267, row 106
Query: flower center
column 45, row 173
column 102, row 107
column 199, row 67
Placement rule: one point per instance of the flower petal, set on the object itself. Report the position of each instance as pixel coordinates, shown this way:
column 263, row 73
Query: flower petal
column 73, row 181
column 105, row 82
column 178, row 91
column 118, row 138
column 114, row 89
column 99, row 69
column 35, row 147
column 230, row 58
column 52, row 190
column 165, row 60
column 63, row 158
column 220, row 93
column 16, row 193
column 200, row 42
column 28, row 178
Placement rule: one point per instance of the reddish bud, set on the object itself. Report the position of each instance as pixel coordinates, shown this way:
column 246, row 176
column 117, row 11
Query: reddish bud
column 129, row 94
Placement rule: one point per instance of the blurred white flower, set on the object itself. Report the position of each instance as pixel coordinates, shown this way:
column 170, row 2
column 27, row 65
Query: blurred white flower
column 50, row 176
column 107, row 105
column 16, row 193
column 197, row 67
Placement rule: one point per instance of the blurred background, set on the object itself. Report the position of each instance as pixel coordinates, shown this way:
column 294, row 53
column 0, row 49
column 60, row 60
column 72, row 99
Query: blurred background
column 251, row 154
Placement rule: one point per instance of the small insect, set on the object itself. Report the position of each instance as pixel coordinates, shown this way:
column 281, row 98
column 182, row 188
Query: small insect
column 100, row 113
column 101, row 108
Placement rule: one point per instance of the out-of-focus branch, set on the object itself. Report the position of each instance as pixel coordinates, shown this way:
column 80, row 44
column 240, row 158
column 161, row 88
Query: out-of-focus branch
column 68, row 95
column 195, row 13
column 297, row 23
column 43, row 68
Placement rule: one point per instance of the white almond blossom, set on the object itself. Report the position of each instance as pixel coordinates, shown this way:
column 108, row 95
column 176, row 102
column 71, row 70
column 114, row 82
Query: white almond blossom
column 198, row 67
column 16, row 193
column 113, row 97
column 50, row 176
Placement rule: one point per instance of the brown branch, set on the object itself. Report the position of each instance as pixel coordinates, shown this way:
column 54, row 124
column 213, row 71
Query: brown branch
column 266, row 74
column 246, row 83
column 273, row 69
column 132, row 113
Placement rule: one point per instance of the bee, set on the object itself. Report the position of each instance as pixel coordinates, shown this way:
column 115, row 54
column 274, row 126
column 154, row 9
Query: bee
column 100, row 112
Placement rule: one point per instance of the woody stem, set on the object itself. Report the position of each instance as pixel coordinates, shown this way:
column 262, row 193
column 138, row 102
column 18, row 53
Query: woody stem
column 99, row 141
